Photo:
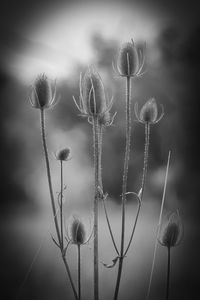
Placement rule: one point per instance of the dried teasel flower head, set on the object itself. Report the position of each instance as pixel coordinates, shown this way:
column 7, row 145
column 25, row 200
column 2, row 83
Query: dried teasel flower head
column 63, row 154
column 76, row 232
column 149, row 112
column 171, row 232
column 130, row 60
column 92, row 100
column 43, row 93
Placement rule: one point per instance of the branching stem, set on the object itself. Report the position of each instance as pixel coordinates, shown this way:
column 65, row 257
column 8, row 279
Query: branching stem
column 53, row 201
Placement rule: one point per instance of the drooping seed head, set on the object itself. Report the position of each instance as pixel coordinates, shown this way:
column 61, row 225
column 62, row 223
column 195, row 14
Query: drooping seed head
column 172, row 231
column 63, row 154
column 43, row 93
column 130, row 60
column 77, row 233
column 93, row 94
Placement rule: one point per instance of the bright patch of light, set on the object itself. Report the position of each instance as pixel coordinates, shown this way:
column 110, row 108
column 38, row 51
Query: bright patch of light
column 68, row 31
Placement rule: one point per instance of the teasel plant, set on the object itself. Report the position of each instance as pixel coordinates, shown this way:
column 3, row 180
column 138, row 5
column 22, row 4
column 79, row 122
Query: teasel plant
column 170, row 235
column 129, row 65
column 95, row 106
column 43, row 97
column 76, row 235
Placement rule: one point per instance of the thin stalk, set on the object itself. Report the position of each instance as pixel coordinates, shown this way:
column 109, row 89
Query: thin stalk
column 124, row 181
column 134, row 227
column 100, row 138
column 146, row 156
column 168, row 272
column 144, row 174
column 109, row 226
column 79, row 272
column 49, row 175
column 70, row 277
column 53, row 201
column 158, row 228
column 96, row 198
column 61, row 202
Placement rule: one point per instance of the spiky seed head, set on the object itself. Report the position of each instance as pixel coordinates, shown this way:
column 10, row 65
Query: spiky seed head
column 93, row 94
column 77, row 232
column 63, row 154
column 128, row 60
column 172, row 231
column 42, row 93
column 149, row 111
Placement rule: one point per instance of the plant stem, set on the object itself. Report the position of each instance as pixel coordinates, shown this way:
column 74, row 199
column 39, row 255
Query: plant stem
column 61, row 202
column 79, row 272
column 53, row 201
column 168, row 273
column 146, row 156
column 96, row 198
column 100, row 138
column 49, row 174
column 124, row 182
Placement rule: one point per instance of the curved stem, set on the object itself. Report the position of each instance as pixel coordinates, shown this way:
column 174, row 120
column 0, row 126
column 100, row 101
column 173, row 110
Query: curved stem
column 61, row 202
column 79, row 272
column 96, row 198
column 109, row 226
column 124, row 182
column 133, row 230
column 168, row 273
column 53, row 201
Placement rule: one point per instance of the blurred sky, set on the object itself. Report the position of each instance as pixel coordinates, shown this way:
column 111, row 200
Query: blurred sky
column 61, row 38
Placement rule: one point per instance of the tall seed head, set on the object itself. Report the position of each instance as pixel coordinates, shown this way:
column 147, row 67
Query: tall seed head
column 128, row 60
column 93, row 95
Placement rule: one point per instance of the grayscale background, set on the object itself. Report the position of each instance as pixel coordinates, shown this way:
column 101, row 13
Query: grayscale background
column 62, row 38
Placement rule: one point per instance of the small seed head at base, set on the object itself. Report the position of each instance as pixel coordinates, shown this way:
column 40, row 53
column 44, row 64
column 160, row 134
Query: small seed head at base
column 171, row 231
column 149, row 111
column 43, row 93
column 63, row 154
column 77, row 232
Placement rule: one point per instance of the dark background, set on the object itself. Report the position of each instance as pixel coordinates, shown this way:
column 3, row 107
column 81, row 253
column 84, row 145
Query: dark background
column 172, row 78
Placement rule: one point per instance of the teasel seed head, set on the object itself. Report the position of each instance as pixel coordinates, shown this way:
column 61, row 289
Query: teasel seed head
column 171, row 232
column 130, row 60
column 92, row 100
column 63, row 154
column 77, row 233
column 149, row 112
column 43, row 93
